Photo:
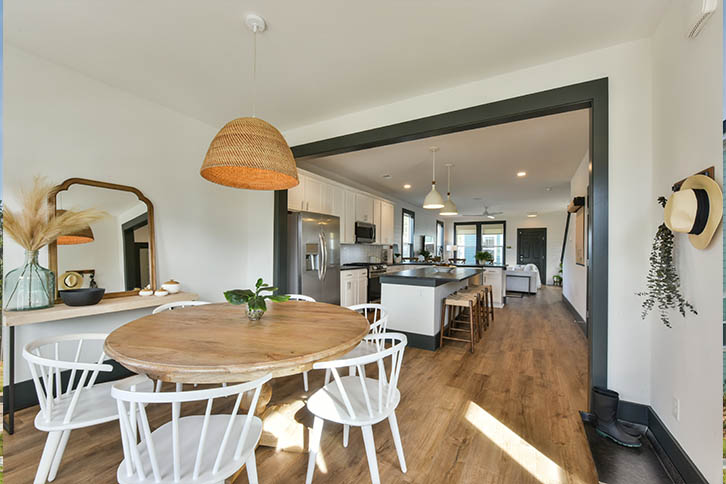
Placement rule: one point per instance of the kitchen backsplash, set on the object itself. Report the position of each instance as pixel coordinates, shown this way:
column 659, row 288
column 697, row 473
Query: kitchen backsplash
column 350, row 253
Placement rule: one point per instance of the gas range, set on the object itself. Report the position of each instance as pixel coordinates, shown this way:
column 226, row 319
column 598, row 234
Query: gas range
column 375, row 269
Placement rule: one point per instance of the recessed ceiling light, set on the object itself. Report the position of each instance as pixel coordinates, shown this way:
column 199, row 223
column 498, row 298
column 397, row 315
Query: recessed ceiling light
column 532, row 214
column 548, row 189
column 387, row 176
column 520, row 174
column 407, row 186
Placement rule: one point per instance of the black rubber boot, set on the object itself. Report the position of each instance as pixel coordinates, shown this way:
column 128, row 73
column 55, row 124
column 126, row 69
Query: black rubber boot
column 625, row 428
column 605, row 408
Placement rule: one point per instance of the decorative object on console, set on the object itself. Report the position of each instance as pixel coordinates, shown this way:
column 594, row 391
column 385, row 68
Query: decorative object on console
column 254, row 300
column 147, row 291
column 663, row 285
column 433, row 200
column 82, row 297
column 71, row 280
column 36, row 225
column 249, row 152
column 171, row 286
column 695, row 209
column 161, row 293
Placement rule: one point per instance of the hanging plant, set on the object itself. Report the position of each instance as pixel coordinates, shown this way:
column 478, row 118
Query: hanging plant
column 663, row 286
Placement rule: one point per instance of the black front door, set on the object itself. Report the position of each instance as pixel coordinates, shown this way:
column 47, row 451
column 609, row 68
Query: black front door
column 532, row 249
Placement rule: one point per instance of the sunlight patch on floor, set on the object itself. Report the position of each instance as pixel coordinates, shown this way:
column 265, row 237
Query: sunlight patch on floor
column 532, row 460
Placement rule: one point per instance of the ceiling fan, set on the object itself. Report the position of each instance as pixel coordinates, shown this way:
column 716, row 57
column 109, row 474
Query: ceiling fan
column 486, row 213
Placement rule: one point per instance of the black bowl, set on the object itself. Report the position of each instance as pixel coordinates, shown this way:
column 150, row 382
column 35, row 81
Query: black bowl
column 82, row 297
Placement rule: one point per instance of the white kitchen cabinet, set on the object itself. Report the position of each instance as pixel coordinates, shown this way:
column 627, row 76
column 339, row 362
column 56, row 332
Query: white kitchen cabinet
column 495, row 277
column 386, row 227
column 363, row 208
column 362, row 287
column 377, row 220
column 353, row 287
column 296, row 195
column 314, row 195
column 347, row 221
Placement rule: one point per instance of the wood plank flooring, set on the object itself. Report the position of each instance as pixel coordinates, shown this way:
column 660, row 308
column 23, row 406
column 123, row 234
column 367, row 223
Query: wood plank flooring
column 505, row 414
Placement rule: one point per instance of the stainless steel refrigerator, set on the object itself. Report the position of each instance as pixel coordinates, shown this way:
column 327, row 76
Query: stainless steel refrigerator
column 313, row 251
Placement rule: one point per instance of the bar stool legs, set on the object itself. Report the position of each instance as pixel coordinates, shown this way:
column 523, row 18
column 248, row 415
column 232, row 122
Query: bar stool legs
column 461, row 301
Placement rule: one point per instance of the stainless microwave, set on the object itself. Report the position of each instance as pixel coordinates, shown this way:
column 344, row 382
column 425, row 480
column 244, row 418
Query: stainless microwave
column 365, row 233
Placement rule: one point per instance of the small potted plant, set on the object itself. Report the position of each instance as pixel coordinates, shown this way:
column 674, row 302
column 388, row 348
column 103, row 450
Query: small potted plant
column 557, row 278
column 484, row 257
column 425, row 254
column 254, row 300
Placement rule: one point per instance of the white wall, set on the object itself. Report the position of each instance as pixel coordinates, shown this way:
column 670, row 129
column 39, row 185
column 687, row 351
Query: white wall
column 628, row 67
column 574, row 276
column 686, row 360
column 62, row 124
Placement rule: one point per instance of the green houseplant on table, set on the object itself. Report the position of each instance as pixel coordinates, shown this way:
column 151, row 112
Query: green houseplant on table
column 254, row 300
column 484, row 256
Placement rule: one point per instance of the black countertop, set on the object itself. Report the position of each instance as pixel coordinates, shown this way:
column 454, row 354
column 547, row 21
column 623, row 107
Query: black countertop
column 428, row 276
column 346, row 267
column 457, row 265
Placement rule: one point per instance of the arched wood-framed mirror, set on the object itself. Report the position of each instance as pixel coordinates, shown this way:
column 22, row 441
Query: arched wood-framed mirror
column 118, row 252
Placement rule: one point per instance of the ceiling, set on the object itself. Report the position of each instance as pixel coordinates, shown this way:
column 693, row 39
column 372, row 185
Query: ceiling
column 318, row 59
column 486, row 161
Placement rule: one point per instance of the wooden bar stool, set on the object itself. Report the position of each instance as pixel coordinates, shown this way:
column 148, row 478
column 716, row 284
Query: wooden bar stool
column 490, row 301
column 482, row 315
column 464, row 301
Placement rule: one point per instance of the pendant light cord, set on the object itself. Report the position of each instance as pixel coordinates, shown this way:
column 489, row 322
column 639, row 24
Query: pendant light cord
column 254, row 71
column 433, row 174
column 448, row 187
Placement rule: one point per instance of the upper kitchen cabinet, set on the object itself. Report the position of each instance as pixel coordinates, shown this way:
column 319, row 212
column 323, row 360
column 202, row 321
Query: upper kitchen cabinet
column 377, row 219
column 347, row 220
column 296, row 195
column 363, row 208
column 386, row 225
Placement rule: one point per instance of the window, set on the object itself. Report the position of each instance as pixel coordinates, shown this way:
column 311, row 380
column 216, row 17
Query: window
column 407, row 230
column 476, row 237
column 439, row 239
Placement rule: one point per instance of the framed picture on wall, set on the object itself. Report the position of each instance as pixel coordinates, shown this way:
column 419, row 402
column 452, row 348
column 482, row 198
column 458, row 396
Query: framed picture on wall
column 580, row 235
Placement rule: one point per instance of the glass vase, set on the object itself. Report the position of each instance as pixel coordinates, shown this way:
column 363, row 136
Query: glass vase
column 29, row 286
column 255, row 314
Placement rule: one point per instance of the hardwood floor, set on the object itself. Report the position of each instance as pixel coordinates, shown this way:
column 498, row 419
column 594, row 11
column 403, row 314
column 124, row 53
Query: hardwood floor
column 505, row 414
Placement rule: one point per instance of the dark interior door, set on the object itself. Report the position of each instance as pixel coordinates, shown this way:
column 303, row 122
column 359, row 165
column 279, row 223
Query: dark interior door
column 532, row 249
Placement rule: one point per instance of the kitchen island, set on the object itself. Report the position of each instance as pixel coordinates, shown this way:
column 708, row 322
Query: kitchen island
column 413, row 299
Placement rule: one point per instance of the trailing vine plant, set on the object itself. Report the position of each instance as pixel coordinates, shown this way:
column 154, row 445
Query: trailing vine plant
column 663, row 285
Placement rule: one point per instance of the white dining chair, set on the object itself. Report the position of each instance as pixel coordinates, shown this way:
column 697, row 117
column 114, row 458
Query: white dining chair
column 178, row 305
column 359, row 400
column 301, row 297
column 79, row 402
column 191, row 449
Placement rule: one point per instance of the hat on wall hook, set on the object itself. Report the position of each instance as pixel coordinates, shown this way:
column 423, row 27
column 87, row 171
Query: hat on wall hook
column 695, row 209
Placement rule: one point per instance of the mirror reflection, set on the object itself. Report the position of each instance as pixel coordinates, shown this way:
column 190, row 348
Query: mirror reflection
column 112, row 253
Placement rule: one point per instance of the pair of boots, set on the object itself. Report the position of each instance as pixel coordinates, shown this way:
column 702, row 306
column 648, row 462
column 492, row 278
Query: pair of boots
column 604, row 406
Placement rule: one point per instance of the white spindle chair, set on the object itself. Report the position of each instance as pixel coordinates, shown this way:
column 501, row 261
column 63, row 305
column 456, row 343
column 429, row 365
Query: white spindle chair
column 192, row 449
column 178, row 305
column 72, row 403
column 377, row 326
column 360, row 401
column 301, row 297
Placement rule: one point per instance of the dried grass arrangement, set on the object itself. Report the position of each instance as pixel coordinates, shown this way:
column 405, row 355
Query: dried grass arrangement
column 35, row 224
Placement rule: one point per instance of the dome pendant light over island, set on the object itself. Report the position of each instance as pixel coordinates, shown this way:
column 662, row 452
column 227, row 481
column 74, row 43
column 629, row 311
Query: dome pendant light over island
column 248, row 152
column 449, row 207
column 433, row 200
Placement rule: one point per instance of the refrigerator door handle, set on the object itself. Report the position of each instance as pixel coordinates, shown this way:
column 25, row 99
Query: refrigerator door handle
column 324, row 246
column 321, row 262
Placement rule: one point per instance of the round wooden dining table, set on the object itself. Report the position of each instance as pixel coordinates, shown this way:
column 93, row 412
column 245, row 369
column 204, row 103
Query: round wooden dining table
column 216, row 343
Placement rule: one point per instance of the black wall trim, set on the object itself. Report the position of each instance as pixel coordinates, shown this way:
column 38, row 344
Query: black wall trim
column 26, row 397
column 578, row 317
column 279, row 244
column 420, row 341
column 591, row 94
column 645, row 415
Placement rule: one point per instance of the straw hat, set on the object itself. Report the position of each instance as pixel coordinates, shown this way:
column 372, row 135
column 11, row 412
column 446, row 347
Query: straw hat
column 695, row 209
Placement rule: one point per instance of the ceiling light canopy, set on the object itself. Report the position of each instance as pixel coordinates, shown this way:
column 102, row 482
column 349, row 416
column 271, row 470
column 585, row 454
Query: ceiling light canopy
column 433, row 200
column 248, row 152
column 449, row 207
column 407, row 186
column 520, row 174
column 532, row 214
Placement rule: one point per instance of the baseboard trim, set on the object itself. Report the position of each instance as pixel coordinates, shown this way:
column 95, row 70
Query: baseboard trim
column 571, row 308
column 26, row 397
column 420, row 341
column 645, row 415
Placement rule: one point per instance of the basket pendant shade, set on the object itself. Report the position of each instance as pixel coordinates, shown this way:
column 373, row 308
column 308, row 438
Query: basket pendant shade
column 83, row 236
column 449, row 207
column 250, row 153
column 433, row 200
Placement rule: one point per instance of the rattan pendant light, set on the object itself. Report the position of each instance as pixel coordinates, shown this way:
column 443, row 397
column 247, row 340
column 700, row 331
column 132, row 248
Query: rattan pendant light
column 449, row 205
column 248, row 152
column 433, row 200
column 83, row 236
